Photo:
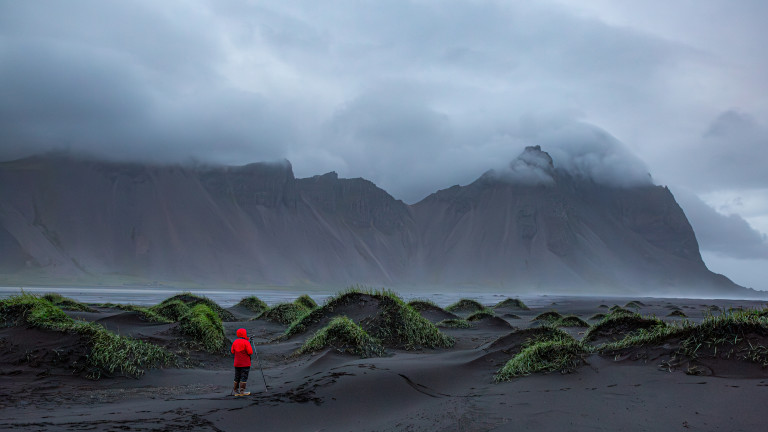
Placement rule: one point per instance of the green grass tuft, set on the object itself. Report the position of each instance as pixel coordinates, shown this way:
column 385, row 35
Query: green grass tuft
column 204, row 329
column 634, row 304
column 620, row 322
column 454, row 323
column 306, row 301
column 511, row 303
column 597, row 317
column 345, row 336
column 738, row 334
column 465, row 305
column 399, row 325
column 67, row 303
column 33, row 311
column 171, row 310
column 253, row 304
column 112, row 353
column 559, row 352
column 107, row 352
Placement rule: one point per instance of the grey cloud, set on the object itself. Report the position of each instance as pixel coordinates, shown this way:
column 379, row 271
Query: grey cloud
column 730, row 235
column 729, row 154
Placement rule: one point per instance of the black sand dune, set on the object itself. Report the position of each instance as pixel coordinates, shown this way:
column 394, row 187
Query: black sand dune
column 424, row 390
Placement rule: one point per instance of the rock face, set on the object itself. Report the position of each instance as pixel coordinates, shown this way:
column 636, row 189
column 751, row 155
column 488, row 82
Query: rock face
column 532, row 229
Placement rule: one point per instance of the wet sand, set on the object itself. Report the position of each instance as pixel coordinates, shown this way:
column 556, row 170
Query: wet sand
column 427, row 390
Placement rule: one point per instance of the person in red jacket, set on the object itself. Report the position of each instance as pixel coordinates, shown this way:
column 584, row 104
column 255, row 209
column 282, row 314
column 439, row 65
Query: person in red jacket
column 242, row 350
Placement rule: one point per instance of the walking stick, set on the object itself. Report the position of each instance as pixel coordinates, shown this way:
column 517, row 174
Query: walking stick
column 258, row 362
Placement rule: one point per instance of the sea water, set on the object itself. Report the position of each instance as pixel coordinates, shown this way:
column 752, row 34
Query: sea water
column 147, row 296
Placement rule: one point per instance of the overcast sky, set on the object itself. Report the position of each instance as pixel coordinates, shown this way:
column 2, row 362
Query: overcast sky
column 413, row 95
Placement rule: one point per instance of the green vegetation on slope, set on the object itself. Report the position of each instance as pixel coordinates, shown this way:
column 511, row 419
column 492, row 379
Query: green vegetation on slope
column 203, row 326
column 455, row 323
column 512, row 304
column 477, row 316
column 253, row 304
column 192, row 300
column 465, row 305
column 345, row 336
column 395, row 323
column 67, row 303
column 285, row 313
column 306, row 301
column 171, row 310
column 108, row 352
column 556, row 352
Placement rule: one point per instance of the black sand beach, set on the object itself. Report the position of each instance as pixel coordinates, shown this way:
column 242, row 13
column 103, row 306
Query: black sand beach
column 451, row 389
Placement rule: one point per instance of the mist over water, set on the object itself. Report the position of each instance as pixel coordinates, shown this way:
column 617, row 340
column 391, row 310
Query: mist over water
column 228, row 298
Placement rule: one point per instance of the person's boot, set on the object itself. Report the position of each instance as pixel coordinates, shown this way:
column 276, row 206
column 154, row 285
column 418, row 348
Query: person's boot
column 243, row 392
column 235, row 389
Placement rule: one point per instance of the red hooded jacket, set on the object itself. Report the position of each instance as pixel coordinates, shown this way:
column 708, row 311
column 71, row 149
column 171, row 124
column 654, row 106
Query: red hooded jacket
column 242, row 349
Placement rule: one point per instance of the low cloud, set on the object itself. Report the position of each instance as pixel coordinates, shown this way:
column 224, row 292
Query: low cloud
column 727, row 235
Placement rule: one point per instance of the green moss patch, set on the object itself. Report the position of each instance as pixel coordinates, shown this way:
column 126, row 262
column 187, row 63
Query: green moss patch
column 253, row 304
column 511, row 303
column 203, row 328
column 345, row 336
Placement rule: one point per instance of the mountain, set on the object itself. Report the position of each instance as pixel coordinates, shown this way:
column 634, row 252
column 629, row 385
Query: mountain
column 534, row 228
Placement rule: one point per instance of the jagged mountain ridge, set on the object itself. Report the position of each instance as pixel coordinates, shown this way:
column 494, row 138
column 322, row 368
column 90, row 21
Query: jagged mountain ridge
column 69, row 218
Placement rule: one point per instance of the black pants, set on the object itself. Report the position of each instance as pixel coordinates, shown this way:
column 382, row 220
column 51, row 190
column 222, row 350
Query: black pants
column 241, row 373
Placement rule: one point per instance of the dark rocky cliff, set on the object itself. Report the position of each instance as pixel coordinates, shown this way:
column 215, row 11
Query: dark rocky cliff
column 67, row 219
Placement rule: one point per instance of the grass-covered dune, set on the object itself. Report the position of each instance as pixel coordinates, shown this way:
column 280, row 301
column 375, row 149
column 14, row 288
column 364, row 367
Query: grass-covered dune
column 345, row 336
column 203, row 329
column 102, row 352
column 284, row 313
column 550, row 350
column 618, row 324
column 511, row 303
column 431, row 311
column 740, row 335
column 381, row 314
column 67, row 303
column 465, row 306
column 253, row 304
column 191, row 300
